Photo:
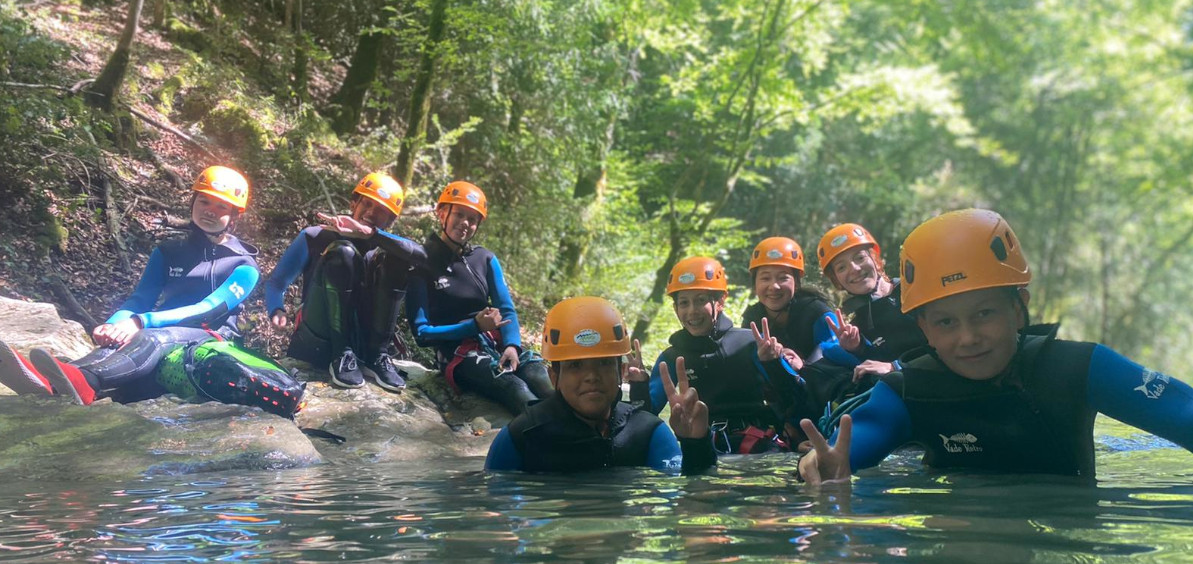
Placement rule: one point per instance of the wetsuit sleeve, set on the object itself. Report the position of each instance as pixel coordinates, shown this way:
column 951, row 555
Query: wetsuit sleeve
column 499, row 296
column 830, row 347
column 144, row 297
column 1128, row 392
column 401, row 247
column 292, row 263
column 417, row 302
column 503, row 455
column 651, row 394
column 663, row 453
column 230, row 294
column 785, row 387
column 880, row 426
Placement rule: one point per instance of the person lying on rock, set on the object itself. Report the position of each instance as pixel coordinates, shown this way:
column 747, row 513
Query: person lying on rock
column 192, row 290
column 354, row 279
column 584, row 425
column 991, row 391
column 461, row 306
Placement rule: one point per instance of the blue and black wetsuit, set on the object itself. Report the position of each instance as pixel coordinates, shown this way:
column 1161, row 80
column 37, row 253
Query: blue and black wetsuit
column 442, row 305
column 190, row 289
column 887, row 332
column 1037, row 418
column 351, row 293
column 549, row 437
column 745, row 396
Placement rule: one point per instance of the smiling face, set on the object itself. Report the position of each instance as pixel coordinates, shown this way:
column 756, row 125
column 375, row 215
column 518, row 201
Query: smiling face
column 212, row 215
column 372, row 213
column 974, row 333
column 856, row 272
column 774, row 286
column 697, row 310
column 588, row 385
column 459, row 223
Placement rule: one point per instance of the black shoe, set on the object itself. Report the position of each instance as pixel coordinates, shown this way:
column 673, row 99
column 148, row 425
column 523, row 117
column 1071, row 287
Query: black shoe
column 385, row 373
column 345, row 372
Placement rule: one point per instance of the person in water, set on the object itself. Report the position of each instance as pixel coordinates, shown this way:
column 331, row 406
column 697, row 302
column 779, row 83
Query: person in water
column 584, row 425
column 354, row 278
column 800, row 317
column 992, row 392
column 879, row 332
column 461, row 306
column 753, row 394
column 192, row 290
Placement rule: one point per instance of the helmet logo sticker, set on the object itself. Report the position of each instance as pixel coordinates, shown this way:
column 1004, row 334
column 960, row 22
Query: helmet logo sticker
column 839, row 240
column 687, row 278
column 383, row 193
column 774, row 254
column 471, row 197
column 949, row 279
column 587, row 338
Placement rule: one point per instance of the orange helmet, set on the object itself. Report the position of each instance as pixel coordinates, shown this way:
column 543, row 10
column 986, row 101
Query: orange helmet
column 383, row 189
column 843, row 238
column 697, row 273
column 225, row 184
column 584, row 327
column 465, row 194
column 958, row 252
column 778, row 251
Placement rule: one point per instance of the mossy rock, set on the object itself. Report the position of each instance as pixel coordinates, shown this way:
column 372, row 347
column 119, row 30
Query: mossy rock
column 187, row 36
column 236, row 128
column 168, row 94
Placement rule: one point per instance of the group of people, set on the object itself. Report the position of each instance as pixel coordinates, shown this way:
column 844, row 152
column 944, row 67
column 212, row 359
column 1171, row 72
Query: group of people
column 943, row 356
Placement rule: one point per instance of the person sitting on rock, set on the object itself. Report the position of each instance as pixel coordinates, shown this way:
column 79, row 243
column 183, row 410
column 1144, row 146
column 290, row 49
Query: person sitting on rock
column 192, row 290
column 461, row 306
column 753, row 394
column 584, row 425
column 354, row 279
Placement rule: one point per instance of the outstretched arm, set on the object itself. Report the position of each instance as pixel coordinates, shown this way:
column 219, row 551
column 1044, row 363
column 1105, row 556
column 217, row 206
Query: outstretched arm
column 1139, row 397
column 292, row 263
column 225, row 298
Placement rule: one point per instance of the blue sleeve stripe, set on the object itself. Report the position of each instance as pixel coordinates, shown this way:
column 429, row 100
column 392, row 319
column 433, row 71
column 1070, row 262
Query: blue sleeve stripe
column 511, row 333
column 225, row 298
column 503, row 455
column 1128, row 392
column 664, row 453
column 658, row 395
column 880, row 426
column 144, row 297
column 292, row 263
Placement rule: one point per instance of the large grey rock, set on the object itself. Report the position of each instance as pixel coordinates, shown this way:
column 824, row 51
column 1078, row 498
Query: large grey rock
column 382, row 426
column 51, row 439
column 28, row 325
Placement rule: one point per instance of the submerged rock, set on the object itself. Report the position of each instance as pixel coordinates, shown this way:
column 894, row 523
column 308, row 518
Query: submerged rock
column 48, row 438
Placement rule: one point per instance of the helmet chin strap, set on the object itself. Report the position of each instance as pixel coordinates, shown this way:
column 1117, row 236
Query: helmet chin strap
column 443, row 228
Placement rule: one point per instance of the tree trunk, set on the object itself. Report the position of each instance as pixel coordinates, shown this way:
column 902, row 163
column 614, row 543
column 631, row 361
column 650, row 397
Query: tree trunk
column 301, row 78
column 420, row 98
column 362, row 71
column 102, row 93
column 159, row 13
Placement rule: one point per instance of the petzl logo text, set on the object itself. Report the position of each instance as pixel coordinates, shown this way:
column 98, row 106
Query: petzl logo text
column 946, row 280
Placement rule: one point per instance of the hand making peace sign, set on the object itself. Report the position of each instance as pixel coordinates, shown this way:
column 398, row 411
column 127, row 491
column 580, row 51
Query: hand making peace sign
column 689, row 415
column 633, row 370
column 847, row 333
column 769, row 347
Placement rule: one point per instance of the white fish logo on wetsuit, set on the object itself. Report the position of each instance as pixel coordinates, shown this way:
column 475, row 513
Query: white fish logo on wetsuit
column 960, row 442
column 175, row 272
column 1153, row 384
column 442, row 283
